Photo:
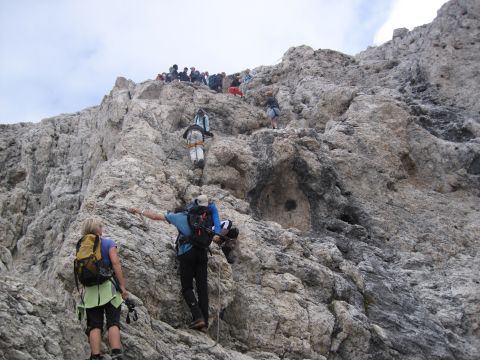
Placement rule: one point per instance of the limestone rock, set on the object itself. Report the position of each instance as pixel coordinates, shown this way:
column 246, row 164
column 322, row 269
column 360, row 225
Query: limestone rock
column 359, row 219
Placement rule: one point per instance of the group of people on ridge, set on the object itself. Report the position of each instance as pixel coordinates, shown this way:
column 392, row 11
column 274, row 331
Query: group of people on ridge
column 173, row 74
column 97, row 267
column 214, row 82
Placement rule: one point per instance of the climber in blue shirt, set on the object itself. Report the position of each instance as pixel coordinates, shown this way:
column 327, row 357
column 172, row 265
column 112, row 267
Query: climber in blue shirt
column 193, row 259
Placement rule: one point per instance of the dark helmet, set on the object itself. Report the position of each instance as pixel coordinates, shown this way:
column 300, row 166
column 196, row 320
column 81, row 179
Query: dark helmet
column 175, row 66
column 200, row 111
column 233, row 233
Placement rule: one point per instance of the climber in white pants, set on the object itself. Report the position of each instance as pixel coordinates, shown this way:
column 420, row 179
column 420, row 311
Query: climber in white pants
column 195, row 137
column 195, row 140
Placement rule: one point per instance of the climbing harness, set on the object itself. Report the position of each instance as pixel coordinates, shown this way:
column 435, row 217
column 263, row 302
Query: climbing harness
column 195, row 144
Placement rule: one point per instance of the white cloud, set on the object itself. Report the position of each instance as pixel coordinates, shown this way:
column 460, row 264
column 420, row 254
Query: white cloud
column 407, row 14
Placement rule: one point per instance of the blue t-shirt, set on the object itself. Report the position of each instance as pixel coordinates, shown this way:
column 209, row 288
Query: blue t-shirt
column 180, row 221
column 105, row 247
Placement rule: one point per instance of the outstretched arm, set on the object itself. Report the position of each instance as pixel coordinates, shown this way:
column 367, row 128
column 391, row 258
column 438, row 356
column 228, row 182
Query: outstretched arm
column 147, row 213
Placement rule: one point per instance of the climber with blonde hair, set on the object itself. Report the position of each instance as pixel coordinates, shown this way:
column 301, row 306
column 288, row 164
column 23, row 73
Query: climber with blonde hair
column 97, row 267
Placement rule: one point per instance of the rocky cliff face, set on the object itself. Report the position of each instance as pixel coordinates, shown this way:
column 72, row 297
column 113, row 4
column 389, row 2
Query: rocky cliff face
column 359, row 219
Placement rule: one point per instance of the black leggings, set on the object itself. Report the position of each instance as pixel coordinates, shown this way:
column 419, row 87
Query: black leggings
column 193, row 265
column 95, row 317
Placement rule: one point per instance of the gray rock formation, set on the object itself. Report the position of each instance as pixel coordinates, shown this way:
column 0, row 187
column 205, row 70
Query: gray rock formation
column 360, row 218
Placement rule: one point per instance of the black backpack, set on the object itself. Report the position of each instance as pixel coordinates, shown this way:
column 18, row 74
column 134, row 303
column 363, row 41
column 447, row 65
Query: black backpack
column 212, row 80
column 195, row 76
column 218, row 81
column 204, row 127
column 200, row 221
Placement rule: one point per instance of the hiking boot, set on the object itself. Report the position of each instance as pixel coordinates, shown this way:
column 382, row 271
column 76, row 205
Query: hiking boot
column 197, row 324
column 116, row 354
column 96, row 357
column 204, row 329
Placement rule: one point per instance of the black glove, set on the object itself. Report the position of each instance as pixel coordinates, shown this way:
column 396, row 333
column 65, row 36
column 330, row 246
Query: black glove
column 131, row 309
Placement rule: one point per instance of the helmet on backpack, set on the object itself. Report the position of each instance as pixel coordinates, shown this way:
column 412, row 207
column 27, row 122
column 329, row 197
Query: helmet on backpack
column 212, row 80
column 233, row 233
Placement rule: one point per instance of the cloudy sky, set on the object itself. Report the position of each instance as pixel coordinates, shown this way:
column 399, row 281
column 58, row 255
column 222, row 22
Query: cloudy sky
column 60, row 56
